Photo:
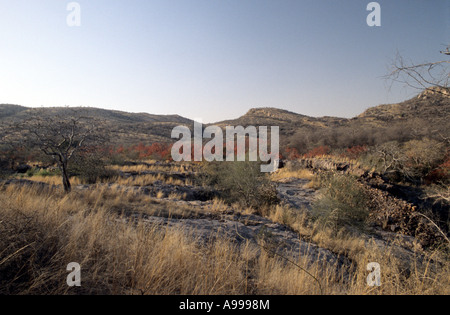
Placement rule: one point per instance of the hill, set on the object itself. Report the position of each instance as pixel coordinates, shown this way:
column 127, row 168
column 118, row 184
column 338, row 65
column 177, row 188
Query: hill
column 125, row 127
column 8, row 110
column 424, row 115
column 269, row 116
column 429, row 105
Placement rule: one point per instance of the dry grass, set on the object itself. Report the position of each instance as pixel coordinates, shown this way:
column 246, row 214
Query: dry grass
column 301, row 173
column 136, row 181
column 152, row 166
column 117, row 256
column 338, row 159
column 147, row 180
column 53, row 180
column 296, row 219
column 218, row 205
column 315, row 183
column 292, row 173
column 41, row 231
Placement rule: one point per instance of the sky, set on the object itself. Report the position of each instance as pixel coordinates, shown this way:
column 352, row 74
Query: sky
column 214, row 59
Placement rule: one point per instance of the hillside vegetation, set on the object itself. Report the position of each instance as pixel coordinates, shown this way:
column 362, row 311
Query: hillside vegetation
column 424, row 115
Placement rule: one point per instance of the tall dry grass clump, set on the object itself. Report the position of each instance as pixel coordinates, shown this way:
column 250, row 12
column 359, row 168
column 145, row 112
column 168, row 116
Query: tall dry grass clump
column 290, row 172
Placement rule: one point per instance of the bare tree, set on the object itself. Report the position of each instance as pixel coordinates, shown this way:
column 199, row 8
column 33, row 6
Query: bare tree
column 61, row 137
column 434, row 75
column 439, row 193
column 390, row 157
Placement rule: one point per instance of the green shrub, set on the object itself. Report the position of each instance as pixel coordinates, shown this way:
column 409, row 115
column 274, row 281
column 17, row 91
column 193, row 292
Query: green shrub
column 31, row 172
column 42, row 172
column 241, row 182
column 90, row 169
column 343, row 203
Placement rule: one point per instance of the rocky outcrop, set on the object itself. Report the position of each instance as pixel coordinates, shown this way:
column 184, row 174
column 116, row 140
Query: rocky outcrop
column 318, row 165
column 393, row 207
column 292, row 192
column 433, row 91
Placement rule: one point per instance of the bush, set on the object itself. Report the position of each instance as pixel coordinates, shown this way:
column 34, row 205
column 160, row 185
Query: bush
column 43, row 172
column 355, row 152
column 318, row 151
column 414, row 161
column 241, row 182
column 343, row 202
column 90, row 169
column 441, row 174
column 424, row 156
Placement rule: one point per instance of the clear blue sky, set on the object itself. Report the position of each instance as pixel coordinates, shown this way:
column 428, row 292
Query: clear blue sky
column 213, row 59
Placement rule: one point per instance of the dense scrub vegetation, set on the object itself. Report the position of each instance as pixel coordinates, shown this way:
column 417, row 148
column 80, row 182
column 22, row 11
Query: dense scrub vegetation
column 424, row 161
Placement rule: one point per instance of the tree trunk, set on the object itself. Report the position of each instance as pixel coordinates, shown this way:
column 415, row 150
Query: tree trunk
column 65, row 177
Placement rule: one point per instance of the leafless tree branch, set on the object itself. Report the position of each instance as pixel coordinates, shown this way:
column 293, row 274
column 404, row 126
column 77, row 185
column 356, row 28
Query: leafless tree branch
column 420, row 76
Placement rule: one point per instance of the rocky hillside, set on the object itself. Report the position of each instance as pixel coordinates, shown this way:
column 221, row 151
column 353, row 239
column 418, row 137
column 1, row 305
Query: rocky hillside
column 430, row 105
column 427, row 106
column 286, row 120
column 425, row 115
